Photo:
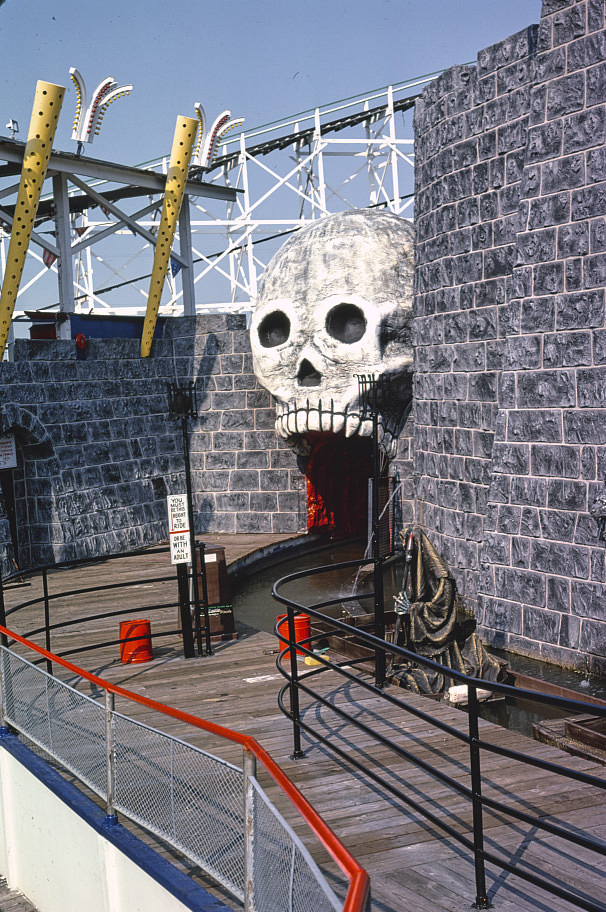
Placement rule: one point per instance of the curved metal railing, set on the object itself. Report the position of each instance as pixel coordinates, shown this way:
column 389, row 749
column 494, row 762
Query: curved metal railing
column 108, row 751
column 301, row 682
column 40, row 608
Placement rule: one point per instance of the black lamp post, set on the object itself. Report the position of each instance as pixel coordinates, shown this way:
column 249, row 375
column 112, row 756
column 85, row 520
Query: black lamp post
column 182, row 405
column 371, row 391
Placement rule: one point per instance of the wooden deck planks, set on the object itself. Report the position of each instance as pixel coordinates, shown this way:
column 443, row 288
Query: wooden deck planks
column 411, row 864
column 12, row 900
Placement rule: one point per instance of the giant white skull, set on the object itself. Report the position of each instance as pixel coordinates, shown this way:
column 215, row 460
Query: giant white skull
column 335, row 302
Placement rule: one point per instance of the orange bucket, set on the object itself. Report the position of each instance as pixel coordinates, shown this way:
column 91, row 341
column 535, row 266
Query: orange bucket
column 135, row 650
column 302, row 630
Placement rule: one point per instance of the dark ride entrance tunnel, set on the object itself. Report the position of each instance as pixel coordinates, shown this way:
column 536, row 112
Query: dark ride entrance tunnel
column 338, row 470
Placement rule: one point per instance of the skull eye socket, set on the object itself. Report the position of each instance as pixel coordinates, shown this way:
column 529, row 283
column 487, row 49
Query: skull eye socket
column 274, row 329
column 346, row 323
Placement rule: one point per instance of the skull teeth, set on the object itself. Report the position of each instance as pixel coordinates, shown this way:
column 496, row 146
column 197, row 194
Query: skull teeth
column 314, row 421
column 352, row 425
column 295, row 418
column 365, row 429
column 338, row 423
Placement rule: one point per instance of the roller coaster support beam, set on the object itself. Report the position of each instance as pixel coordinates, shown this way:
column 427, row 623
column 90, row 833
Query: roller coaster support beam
column 45, row 114
column 187, row 268
column 63, row 235
column 176, row 179
column 96, row 169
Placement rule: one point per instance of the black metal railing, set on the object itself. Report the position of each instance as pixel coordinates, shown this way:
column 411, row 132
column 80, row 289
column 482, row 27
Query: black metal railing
column 301, row 681
column 191, row 609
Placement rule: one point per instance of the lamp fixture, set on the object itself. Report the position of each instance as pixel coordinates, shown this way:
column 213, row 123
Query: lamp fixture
column 206, row 146
column 87, row 120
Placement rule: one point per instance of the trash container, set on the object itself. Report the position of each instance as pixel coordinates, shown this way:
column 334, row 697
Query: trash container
column 302, row 630
column 138, row 647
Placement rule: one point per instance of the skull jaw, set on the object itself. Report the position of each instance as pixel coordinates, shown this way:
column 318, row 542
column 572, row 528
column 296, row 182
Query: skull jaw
column 298, row 418
column 345, row 414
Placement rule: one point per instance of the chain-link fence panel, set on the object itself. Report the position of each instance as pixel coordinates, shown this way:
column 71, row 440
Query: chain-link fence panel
column 285, row 877
column 66, row 724
column 186, row 796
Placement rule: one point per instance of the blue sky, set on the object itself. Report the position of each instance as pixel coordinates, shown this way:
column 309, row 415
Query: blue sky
column 262, row 59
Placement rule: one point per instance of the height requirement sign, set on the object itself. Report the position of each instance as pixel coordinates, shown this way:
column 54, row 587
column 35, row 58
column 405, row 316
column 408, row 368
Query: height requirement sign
column 178, row 529
column 8, row 452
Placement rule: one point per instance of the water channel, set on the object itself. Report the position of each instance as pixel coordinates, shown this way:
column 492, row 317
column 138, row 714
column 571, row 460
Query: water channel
column 255, row 607
column 253, row 602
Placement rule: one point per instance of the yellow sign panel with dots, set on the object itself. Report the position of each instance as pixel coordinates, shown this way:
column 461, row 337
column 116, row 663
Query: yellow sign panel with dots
column 180, row 157
column 43, row 124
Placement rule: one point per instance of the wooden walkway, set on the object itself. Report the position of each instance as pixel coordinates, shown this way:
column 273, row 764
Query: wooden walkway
column 12, row 901
column 411, row 864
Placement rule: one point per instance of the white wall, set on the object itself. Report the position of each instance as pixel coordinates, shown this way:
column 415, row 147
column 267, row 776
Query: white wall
column 56, row 858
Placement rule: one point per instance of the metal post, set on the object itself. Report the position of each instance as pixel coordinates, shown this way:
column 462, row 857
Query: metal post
column 185, row 249
column 197, row 571
column 3, row 636
column 379, row 602
column 188, row 488
column 294, row 686
column 111, row 816
column 3, row 725
column 250, row 772
column 182, row 404
column 47, row 638
column 250, row 244
column 476, row 788
column 7, row 696
column 63, row 232
column 4, row 684
column 318, row 150
column 190, row 510
column 184, row 611
column 208, row 644
column 368, row 386
column 393, row 153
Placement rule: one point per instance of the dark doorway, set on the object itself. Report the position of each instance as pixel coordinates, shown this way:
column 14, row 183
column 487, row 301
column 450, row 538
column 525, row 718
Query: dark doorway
column 7, row 486
column 337, row 473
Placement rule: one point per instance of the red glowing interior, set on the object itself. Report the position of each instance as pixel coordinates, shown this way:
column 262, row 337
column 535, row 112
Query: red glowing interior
column 337, row 473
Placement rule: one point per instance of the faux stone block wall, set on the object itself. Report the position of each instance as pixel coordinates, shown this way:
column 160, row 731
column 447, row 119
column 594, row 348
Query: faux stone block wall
column 510, row 441
column 401, row 468
column 98, row 453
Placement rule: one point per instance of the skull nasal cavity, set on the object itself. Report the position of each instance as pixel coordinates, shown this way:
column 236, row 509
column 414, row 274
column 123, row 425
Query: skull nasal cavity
column 346, row 323
column 274, row 329
column 308, row 375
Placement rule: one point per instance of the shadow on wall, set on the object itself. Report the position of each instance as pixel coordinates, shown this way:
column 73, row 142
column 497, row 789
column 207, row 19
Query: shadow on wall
column 97, row 461
column 201, row 369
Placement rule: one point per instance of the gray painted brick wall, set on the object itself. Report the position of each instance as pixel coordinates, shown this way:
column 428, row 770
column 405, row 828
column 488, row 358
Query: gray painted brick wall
column 509, row 312
column 98, row 453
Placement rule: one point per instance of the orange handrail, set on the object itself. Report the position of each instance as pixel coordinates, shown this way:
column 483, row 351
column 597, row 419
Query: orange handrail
column 359, row 881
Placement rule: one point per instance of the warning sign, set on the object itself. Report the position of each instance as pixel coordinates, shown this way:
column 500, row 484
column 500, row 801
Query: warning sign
column 178, row 529
column 180, row 550
column 8, row 452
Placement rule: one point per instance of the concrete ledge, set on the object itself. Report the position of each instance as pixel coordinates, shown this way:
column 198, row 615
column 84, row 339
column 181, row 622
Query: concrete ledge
column 243, row 567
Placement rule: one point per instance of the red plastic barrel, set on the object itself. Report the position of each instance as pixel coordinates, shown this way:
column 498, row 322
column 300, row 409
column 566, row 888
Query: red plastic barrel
column 302, row 630
column 136, row 650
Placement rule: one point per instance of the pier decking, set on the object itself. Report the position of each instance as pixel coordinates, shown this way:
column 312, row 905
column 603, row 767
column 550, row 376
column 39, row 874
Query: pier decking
column 411, row 864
